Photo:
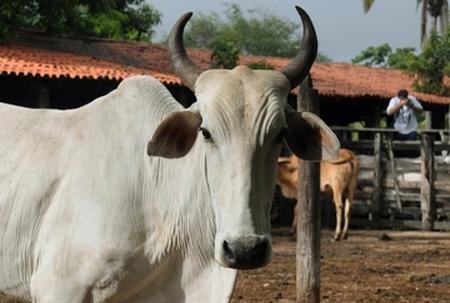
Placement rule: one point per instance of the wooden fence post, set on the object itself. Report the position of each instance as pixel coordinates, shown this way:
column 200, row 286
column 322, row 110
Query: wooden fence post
column 377, row 181
column 38, row 95
column 427, row 201
column 308, row 225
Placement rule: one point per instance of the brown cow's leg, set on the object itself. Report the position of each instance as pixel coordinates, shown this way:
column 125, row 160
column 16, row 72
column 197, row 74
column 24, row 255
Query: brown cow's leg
column 339, row 209
column 347, row 213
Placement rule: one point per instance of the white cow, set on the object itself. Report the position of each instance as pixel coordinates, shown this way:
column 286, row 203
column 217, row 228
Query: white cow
column 121, row 201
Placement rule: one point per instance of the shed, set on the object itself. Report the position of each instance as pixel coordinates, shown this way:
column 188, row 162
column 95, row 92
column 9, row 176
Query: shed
column 42, row 71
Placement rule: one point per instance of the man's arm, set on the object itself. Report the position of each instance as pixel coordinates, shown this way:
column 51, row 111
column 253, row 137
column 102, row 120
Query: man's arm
column 394, row 109
column 415, row 105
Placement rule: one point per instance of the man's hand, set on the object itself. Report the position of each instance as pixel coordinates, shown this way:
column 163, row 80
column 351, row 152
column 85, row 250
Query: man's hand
column 399, row 105
column 406, row 102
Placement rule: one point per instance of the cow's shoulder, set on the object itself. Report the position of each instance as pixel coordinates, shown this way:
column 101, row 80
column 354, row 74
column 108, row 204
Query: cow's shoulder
column 143, row 97
column 144, row 87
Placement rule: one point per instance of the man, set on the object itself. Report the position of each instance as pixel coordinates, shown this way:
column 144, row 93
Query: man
column 404, row 107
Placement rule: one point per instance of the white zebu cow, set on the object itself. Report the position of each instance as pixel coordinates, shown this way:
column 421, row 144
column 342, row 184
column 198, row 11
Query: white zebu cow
column 92, row 209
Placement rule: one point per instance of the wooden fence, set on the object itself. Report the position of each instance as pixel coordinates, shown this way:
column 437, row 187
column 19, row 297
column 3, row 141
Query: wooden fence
column 402, row 184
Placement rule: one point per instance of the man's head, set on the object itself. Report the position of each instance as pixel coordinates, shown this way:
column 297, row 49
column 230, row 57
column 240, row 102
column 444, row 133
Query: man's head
column 402, row 94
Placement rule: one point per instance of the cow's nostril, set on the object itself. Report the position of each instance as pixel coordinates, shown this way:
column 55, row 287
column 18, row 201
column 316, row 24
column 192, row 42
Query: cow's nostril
column 246, row 252
column 260, row 248
column 228, row 252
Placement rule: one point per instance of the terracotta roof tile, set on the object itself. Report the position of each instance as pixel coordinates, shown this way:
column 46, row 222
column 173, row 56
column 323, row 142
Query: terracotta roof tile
column 349, row 80
column 20, row 60
column 40, row 56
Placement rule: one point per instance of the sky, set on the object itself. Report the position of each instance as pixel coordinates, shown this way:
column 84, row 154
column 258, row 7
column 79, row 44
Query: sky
column 343, row 29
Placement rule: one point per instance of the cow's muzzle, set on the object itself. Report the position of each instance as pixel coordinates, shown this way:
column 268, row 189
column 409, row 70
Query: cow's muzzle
column 246, row 252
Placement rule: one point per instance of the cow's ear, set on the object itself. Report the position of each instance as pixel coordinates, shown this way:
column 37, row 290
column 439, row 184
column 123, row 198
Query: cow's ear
column 175, row 135
column 309, row 137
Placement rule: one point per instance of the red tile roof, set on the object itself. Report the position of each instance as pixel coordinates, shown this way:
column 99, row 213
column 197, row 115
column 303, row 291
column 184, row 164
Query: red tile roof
column 40, row 56
column 355, row 81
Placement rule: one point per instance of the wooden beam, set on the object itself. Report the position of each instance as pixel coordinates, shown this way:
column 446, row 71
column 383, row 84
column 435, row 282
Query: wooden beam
column 377, row 181
column 428, row 119
column 427, row 201
column 308, row 226
column 394, row 172
column 39, row 96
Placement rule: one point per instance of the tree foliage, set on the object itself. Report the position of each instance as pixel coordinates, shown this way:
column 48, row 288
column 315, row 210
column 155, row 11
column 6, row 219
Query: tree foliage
column 429, row 67
column 374, row 56
column 254, row 32
column 261, row 64
column 116, row 19
column 432, row 65
column 225, row 53
column 384, row 56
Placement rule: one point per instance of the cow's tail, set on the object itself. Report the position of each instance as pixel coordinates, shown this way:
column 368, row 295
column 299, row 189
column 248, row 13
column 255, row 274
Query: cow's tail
column 345, row 156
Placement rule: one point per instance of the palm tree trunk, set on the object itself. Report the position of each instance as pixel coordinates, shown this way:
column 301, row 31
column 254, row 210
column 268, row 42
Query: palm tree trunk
column 444, row 17
column 434, row 22
column 423, row 22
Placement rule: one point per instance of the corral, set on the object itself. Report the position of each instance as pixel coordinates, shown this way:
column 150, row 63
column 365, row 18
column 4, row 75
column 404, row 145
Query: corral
column 401, row 184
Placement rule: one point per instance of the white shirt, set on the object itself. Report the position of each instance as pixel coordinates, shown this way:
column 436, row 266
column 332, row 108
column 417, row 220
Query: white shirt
column 405, row 118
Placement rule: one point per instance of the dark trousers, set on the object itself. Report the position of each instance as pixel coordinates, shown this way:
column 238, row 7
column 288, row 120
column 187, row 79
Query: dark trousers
column 407, row 153
column 402, row 137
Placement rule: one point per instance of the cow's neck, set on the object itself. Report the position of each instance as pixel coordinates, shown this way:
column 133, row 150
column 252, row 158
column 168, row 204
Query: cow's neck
column 180, row 216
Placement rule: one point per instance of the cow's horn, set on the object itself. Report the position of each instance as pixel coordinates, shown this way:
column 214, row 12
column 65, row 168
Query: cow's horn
column 182, row 65
column 299, row 67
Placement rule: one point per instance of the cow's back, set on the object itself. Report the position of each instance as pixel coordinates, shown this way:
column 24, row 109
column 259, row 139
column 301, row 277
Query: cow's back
column 32, row 154
column 47, row 155
column 341, row 172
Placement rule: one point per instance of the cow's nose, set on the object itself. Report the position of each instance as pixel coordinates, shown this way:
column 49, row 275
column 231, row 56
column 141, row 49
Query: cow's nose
column 246, row 252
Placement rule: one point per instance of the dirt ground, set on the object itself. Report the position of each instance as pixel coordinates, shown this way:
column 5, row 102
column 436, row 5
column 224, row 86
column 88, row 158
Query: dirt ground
column 413, row 267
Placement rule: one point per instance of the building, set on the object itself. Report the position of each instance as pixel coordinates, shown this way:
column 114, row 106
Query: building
column 42, row 71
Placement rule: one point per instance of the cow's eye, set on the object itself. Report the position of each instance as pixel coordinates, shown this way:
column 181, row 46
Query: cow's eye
column 206, row 134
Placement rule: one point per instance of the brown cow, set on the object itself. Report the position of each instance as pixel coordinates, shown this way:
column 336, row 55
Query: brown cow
column 337, row 177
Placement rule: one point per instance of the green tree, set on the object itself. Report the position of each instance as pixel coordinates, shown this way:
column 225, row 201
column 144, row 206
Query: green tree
column 225, row 52
column 384, row 56
column 430, row 66
column 117, row 19
column 202, row 30
column 401, row 58
column 261, row 64
column 254, row 32
column 374, row 56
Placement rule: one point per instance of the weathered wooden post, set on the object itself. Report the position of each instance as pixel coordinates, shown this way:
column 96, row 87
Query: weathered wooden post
column 308, row 225
column 377, row 181
column 427, row 201
column 38, row 95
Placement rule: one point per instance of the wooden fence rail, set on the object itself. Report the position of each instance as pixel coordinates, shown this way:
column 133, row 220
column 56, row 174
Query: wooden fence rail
column 402, row 184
